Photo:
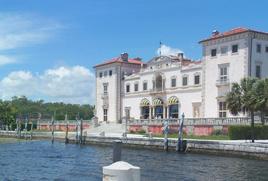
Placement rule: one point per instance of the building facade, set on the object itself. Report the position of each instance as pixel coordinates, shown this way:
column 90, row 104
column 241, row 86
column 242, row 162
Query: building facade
column 166, row 86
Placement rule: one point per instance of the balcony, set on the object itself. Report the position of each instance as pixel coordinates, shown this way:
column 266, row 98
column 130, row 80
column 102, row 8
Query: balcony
column 157, row 90
column 222, row 82
column 104, row 95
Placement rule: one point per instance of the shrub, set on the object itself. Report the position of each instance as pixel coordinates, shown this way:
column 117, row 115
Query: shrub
column 244, row 132
column 217, row 132
column 141, row 131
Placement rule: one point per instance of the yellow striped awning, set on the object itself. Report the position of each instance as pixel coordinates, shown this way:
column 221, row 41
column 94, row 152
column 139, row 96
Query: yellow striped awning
column 157, row 102
column 173, row 100
column 144, row 102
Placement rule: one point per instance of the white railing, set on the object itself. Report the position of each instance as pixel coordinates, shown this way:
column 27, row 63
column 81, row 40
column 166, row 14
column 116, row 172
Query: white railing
column 198, row 121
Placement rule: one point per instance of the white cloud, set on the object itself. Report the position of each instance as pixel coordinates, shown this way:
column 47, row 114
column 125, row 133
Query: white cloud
column 20, row 30
column 166, row 50
column 4, row 60
column 64, row 84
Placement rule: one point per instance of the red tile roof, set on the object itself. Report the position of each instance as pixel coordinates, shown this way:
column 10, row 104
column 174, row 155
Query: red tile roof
column 119, row 60
column 231, row 32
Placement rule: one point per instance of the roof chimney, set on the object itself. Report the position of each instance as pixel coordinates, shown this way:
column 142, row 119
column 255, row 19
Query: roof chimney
column 215, row 32
column 124, row 56
column 180, row 55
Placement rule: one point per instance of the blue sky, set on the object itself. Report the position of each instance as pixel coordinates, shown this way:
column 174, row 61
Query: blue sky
column 47, row 42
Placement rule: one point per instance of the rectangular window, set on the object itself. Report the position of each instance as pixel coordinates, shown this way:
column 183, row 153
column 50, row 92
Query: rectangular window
column 136, row 87
column 266, row 49
column 128, row 88
column 105, row 88
column 173, row 82
column 105, row 73
column 144, row 86
column 110, row 72
column 258, row 71
column 105, row 115
column 184, row 81
column 100, row 75
column 222, row 110
column 234, row 48
column 223, row 74
column 213, row 52
column 224, row 50
column 258, row 48
column 197, row 79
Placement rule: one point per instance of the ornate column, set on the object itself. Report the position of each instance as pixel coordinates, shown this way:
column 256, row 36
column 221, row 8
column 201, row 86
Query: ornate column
column 153, row 115
column 150, row 113
column 164, row 111
column 167, row 111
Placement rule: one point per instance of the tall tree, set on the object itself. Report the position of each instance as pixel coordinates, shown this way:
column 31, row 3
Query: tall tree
column 242, row 99
column 261, row 97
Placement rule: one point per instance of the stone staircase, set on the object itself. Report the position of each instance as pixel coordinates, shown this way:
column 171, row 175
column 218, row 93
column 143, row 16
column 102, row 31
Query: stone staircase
column 107, row 128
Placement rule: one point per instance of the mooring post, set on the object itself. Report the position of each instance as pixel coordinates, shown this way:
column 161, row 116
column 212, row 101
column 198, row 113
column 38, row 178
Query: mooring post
column 66, row 129
column 52, row 129
column 166, row 129
column 17, row 127
column 121, row 171
column 179, row 146
column 76, row 130
column 31, row 136
column 117, row 147
column 25, row 128
column 85, row 137
column 81, row 131
column 20, row 128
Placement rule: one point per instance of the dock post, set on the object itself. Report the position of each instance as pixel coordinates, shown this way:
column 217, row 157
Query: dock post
column 66, row 129
column 17, row 127
column 180, row 146
column 166, row 129
column 31, row 136
column 66, row 133
column 52, row 129
column 81, row 131
column 117, row 147
column 25, row 128
column 76, row 130
column 121, row 171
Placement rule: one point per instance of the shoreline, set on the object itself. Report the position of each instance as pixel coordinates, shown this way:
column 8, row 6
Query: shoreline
column 230, row 148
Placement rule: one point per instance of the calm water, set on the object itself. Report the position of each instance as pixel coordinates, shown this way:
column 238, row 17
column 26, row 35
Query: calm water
column 40, row 160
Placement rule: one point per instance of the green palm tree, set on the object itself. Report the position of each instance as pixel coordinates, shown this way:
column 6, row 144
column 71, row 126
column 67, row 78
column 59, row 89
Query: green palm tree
column 242, row 98
column 261, row 97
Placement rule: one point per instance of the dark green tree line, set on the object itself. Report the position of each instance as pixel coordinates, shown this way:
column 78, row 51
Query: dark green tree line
column 24, row 107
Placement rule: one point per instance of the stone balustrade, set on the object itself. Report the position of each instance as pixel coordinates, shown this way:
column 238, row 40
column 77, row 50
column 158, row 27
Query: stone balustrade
column 198, row 121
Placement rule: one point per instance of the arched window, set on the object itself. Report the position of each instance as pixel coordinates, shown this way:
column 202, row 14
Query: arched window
column 158, row 108
column 145, row 108
column 173, row 107
column 159, row 83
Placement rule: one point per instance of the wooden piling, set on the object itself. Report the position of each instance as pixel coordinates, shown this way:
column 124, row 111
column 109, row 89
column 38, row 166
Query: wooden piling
column 81, row 132
column 52, row 129
column 31, row 136
column 66, row 133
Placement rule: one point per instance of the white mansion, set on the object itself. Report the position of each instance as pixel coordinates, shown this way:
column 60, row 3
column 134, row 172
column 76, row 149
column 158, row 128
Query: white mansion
column 166, row 86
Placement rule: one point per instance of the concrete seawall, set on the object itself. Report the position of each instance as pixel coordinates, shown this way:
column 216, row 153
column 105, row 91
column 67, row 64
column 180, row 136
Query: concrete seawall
column 239, row 148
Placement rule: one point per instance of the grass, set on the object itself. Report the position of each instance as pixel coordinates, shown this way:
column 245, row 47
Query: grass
column 211, row 137
column 8, row 140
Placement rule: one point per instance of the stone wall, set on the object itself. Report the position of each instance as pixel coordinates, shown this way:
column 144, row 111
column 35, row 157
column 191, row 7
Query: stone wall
column 196, row 130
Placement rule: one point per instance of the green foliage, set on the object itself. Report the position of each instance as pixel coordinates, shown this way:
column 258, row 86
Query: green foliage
column 23, row 107
column 141, row 131
column 244, row 132
column 27, row 107
column 249, row 96
column 218, row 132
